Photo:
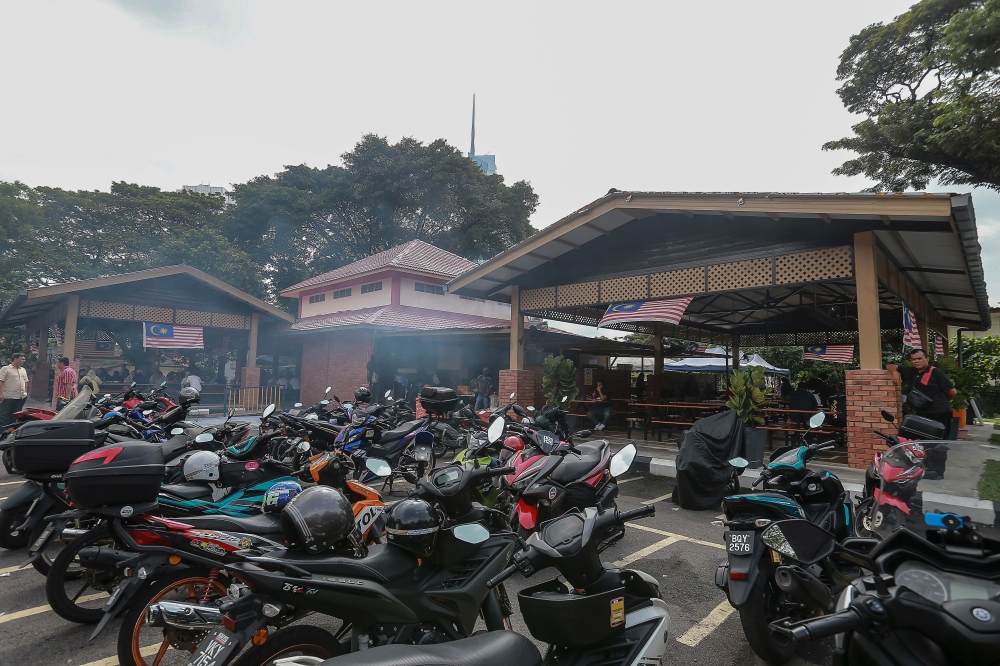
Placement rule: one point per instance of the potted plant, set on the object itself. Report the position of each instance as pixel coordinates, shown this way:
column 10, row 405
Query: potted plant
column 748, row 394
column 559, row 381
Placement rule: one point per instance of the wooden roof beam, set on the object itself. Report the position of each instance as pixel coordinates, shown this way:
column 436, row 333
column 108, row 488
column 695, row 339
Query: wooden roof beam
column 566, row 243
column 728, row 215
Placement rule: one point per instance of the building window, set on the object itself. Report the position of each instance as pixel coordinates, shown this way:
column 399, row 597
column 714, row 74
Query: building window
column 318, row 298
column 429, row 288
column 342, row 293
column 473, row 298
column 369, row 288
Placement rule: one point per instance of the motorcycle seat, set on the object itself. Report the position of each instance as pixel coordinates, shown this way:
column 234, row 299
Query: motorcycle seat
column 188, row 490
column 263, row 524
column 493, row 648
column 400, row 431
column 383, row 563
column 575, row 465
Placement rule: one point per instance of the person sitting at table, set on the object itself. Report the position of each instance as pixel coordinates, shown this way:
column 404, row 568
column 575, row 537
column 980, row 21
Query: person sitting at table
column 710, row 392
column 601, row 413
column 640, row 386
column 786, row 389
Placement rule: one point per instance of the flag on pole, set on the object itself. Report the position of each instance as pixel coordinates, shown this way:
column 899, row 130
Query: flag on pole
column 169, row 336
column 223, row 347
column 669, row 311
column 56, row 333
column 832, row 353
column 695, row 348
column 95, row 348
column 938, row 344
column 911, row 336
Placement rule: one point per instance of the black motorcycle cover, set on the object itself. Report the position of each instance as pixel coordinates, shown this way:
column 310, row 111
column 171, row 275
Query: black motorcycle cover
column 703, row 468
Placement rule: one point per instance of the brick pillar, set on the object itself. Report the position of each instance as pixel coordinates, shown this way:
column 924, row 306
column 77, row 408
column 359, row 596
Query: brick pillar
column 249, row 377
column 868, row 392
column 522, row 382
column 39, row 384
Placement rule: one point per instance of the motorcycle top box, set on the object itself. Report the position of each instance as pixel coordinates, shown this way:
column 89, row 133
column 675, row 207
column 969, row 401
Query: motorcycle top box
column 438, row 399
column 123, row 473
column 918, row 427
column 558, row 616
column 50, row 446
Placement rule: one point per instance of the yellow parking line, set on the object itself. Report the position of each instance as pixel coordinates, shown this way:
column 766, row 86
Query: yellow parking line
column 621, row 481
column 679, row 536
column 43, row 609
column 658, row 499
column 10, row 569
column 648, row 550
column 147, row 651
column 12, row 483
column 698, row 632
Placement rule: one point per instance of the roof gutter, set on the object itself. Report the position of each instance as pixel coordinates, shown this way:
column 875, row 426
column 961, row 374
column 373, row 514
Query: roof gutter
column 965, row 222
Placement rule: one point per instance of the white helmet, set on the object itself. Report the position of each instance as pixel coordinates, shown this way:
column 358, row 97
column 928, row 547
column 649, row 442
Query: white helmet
column 202, row 466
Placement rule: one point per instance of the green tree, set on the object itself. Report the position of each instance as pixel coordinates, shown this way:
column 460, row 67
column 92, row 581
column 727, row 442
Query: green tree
column 929, row 84
column 305, row 221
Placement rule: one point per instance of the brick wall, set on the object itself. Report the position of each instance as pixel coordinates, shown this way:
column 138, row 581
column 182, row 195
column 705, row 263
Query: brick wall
column 336, row 359
column 526, row 383
column 868, row 392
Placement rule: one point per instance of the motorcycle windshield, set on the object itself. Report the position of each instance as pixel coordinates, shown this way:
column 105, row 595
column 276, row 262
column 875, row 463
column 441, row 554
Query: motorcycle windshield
column 935, row 485
column 74, row 408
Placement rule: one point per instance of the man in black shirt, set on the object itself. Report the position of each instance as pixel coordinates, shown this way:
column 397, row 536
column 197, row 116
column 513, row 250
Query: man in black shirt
column 935, row 389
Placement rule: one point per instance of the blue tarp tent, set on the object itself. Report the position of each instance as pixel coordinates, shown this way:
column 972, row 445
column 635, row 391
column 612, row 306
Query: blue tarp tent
column 719, row 364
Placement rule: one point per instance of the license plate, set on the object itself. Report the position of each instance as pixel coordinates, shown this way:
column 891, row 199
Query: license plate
column 739, row 543
column 41, row 540
column 214, row 650
column 422, row 453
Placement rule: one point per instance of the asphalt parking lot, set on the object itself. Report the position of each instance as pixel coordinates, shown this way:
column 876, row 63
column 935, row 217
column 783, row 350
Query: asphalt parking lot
column 679, row 547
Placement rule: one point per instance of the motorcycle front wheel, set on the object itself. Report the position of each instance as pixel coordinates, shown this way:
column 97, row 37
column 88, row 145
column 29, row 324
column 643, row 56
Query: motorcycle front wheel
column 75, row 592
column 294, row 641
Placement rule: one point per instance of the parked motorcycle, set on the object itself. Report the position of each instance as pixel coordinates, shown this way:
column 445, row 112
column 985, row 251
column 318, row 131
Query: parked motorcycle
column 751, row 576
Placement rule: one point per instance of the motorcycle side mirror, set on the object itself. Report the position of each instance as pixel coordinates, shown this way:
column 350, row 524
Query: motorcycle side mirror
column 799, row 540
column 163, row 383
column 495, row 431
column 147, row 412
column 378, row 467
column 471, row 533
column 177, row 431
column 526, row 421
column 888, row 416
column 564, row 398
column 621, row 461
column 328, row 389
column 204, row 438
column 512, row 394
column 742, row 463
column 388, row 393
column 303, row 447
column 816, row 420
column 531, row 408
column 298, row 404
column 267, row 411
column 132, row 385
column 324, row 402
column 519, row 410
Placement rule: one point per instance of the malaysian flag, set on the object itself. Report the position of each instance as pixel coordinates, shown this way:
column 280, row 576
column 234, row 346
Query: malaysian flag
column 832, row 353
column 169, row 336
column 95, row 348
column 223, row 347
column 669, row 311
column 938, row 344
column 54, row 332
column 695, row 348
column 911, row 335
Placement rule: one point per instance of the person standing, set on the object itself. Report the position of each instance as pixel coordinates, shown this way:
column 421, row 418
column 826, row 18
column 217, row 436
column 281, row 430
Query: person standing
column 484, row 386
column 65, row 386
column 13, row 388
column 92, row 380
column 192, row 380
column 930, row 396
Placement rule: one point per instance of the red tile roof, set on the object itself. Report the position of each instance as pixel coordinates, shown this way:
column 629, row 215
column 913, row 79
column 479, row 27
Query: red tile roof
column 399, row 316
column 415, row 255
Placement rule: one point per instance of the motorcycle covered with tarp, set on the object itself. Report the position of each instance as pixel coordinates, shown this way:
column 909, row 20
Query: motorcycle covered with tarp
column 704, row 472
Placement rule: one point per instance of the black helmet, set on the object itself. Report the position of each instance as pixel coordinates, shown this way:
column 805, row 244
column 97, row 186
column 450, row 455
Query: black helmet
column 317, row 518
column 188, row 396
column 413, row 524
column 362, row 395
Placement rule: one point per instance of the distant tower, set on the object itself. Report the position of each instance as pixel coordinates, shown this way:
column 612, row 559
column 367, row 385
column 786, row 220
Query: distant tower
column 486, row 162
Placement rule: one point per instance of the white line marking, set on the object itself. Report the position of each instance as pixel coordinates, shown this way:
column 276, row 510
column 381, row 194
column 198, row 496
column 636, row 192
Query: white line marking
column 13, row 483
column 44, row 609
column 700, row 631
column 629, row 480
column 679, row 536
column 658, row 499
column 147, row 651
column 648, row 550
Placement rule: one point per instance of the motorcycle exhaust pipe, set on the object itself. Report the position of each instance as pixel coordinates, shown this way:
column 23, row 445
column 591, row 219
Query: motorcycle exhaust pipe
column 183, row 615
column 103, row 557
column 71, row 533
column 804, row 587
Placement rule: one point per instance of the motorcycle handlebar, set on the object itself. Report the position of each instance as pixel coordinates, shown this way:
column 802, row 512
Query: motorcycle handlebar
column 641, row 512
column 501, row 577
column 501, row 471
column 819, row 628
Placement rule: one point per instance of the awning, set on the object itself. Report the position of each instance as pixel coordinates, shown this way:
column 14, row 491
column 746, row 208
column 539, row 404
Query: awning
column 720, row 365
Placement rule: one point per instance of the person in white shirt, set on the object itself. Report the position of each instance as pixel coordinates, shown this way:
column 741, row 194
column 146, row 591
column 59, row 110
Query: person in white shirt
column 192, row 380
column 293, row 383
column 13, row 388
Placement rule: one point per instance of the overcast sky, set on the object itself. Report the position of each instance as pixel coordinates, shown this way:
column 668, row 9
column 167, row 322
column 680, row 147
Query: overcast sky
column 575, row 97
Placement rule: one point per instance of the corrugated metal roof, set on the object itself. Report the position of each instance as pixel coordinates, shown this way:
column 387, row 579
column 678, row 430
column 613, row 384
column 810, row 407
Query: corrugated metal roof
column 415, row 255
column 399, row 317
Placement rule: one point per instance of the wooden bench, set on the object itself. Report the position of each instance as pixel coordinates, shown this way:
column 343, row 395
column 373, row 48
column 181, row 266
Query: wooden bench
column 839, row 432
column 666, row 422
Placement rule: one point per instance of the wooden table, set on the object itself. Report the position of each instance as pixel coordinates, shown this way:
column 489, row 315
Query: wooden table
column 688, row 415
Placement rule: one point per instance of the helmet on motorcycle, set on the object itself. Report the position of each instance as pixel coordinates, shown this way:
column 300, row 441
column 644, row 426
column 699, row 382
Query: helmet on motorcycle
column 362, row 395
column 513, row 442
column 188, row 396
column 202, row 466
column 280, row 494
column 317, row 518
column 413, row 524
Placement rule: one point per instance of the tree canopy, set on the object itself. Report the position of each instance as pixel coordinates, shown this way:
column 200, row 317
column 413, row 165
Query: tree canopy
column 929, row 84
column 276, row 231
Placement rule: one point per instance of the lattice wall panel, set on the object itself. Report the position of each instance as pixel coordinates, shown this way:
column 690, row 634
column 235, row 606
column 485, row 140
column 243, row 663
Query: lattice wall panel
column 536, row 299
column 193, row 318
column 106, row 310
column 230, row 321
column 150, row 313
column 677, row 283
column 740, row 274
column 631, row 288
column 583, row 293
column 826, row 264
